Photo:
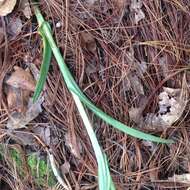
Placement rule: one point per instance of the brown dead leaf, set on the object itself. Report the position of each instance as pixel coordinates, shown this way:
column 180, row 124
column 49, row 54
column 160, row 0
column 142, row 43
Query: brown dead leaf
column 135, row 114
column 25, row 7
column 23, row 138
column 88, row 41
column 12, row 97
column 119, row 5
column 17, row 98
column 163, row 62
column 74, row 147
column 14, row 26
column 172, row 103
column 44, row 133
column 18, row 89
column 135, row 7
column 20, row 120
column 136, row 84
column 6, row 6
column 21, row 78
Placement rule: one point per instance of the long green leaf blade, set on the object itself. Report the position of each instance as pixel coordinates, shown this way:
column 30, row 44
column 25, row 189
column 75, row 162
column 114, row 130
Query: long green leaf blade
column 72, row 86
column 104, row 176
column 47, row 53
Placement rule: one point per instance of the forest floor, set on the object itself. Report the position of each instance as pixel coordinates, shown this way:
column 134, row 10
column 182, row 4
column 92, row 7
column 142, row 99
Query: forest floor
column 131, row 58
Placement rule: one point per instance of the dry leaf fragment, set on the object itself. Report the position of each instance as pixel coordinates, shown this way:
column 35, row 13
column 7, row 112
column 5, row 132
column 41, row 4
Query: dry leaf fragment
column 91, row 68
column 119, row 4
column 91, row 2
column 25, row 7
column 17, row 98
column 136, row 6
column 6, row 6
column 20, row 120
column 12, row 97
column 183, row 178
column 18, row 89
column 135, row 114
column 23, row 138
column 44, row 133
column 75, row 149
column 136, row 84
column 172, row 103
column 154, row 120
column 21, row 78
column 88, row 41
column 15, row 26
column 164, row 65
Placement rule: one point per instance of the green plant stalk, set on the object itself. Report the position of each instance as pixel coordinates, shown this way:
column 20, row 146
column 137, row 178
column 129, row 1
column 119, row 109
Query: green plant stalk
column 103, row 170
column 104, row 177
column 47, row 54
column 73, row 87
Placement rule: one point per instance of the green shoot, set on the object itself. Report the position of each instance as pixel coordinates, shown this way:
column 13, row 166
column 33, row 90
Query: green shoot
column 105, row 181
column 73, row 87
column 47, row 53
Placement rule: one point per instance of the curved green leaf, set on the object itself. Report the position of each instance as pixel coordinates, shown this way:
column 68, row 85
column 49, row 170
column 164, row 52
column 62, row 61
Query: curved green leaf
column 72, row 86
column 47, row 53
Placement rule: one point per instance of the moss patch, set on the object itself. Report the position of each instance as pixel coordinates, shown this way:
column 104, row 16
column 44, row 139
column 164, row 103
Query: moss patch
column 39, row 169
column 16, row 157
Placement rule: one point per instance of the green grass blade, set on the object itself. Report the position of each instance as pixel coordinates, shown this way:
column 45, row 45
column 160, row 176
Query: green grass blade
column 104, row 177
column 47, row 53
column 72, row 86
column 117, row 124
column 111, row 184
